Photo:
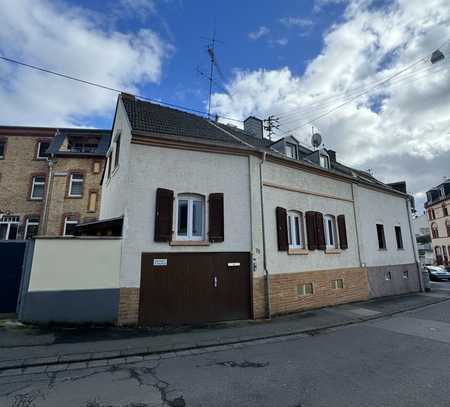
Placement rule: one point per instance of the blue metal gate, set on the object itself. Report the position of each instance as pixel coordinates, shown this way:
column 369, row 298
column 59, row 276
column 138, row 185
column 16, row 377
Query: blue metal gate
column 12, row 255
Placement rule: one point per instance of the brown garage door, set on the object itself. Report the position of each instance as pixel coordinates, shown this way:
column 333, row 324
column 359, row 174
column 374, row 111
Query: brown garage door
column 181, row 288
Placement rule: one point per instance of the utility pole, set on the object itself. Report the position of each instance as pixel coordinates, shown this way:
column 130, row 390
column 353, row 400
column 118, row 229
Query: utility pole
column 271, row 124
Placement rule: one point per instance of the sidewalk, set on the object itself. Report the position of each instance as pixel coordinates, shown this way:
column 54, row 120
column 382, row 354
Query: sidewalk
column 24, row 348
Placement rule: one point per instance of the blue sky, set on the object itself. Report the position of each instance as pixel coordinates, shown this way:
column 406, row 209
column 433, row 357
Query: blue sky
column 299, row 60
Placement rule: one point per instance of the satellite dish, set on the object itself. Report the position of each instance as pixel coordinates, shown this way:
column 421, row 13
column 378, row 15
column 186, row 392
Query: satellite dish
column 316, row 140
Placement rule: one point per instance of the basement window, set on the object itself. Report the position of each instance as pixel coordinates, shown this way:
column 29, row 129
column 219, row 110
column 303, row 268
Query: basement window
column 405, row 274
column 337, row 284
column 305, row 289
column 388, row 276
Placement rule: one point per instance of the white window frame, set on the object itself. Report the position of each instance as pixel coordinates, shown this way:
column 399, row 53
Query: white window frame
column 291, row 148
column 296, row 239
column 29, row 223
column 36, row 183
column 68, row 221
column 324, row 161
column 40, row 157
column 190, row 198
column 326, row 227
column 10, row 220
column 79, row 181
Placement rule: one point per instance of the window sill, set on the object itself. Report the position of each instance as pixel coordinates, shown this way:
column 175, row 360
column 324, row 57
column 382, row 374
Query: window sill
column 332, row 251
column 298, row 251
column 382, row 250
column 74, row 197
column 189, row 243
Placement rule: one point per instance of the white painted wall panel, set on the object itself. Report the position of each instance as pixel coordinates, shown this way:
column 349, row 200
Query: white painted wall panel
column 374, row 206
column 75, row 264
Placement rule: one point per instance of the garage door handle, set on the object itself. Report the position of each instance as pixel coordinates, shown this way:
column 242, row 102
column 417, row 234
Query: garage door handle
column 215, row 281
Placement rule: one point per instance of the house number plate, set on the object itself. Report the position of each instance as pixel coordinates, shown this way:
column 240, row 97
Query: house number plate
column 234, row 264
column 160, row 262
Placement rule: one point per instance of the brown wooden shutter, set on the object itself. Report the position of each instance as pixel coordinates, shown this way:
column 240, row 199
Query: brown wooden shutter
column 311, row 230
column 282, row 232
column 216, row 218
column 342, row 232
column 320, row 233
column 163, row 215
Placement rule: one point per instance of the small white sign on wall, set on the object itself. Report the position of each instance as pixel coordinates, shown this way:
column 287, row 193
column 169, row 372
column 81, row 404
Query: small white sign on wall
column 160, row 262
column 234, row 264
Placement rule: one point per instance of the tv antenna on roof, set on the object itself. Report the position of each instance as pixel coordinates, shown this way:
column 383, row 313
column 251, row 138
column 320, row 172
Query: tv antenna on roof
column 211, row 49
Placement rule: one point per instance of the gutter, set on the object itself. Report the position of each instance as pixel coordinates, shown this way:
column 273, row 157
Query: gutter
column 414, row 247
column 266, row 271
column 47, row 195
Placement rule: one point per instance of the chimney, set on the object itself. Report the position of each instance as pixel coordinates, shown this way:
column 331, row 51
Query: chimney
column 332, row 155
column 254, row 126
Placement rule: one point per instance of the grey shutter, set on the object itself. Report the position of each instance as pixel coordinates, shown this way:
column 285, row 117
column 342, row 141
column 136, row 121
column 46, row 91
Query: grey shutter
column 311, row 230
column 216, row 218
column 320, row 232
column 342, row 232
column 163, row 215
column 282, row 233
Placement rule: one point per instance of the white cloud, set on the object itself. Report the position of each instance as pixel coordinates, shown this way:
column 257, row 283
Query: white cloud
column 260, row 32
column 298, row 22
column 69, row 40
column 281, row 42
column 402, row 130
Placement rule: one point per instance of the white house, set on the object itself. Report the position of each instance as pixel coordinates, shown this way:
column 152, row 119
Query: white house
column 220, row 223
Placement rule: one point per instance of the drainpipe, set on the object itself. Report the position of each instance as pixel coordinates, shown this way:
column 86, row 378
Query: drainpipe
column 47, row 195
column 266, row 271
column 414, row 247
column 356, row 227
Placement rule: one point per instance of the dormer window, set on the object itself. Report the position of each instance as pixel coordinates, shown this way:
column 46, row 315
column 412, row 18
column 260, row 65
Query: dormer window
column 324, row 161
column 443, row 191
column 291, row 150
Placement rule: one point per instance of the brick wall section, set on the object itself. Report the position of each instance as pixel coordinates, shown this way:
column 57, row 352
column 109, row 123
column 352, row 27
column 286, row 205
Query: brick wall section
column 259, row 298
column 61, row 204
column 128, row 306
column 15, row 174
column 285, row 298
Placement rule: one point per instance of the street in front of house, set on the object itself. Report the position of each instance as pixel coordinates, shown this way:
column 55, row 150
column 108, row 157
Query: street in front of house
column 397, row 361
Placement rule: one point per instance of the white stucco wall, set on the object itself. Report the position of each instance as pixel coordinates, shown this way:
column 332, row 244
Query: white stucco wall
column 182, row 171
column 334, row 199
column 115, row 188
column 375, row 206
column 61, row 264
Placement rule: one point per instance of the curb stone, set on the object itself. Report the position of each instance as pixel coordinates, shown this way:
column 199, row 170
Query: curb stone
column 85, row 360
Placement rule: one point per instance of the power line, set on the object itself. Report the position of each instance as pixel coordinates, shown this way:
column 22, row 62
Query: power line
column 332, row 110
column 109, row 88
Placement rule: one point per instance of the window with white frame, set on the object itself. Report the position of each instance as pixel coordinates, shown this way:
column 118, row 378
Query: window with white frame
column 329, row 224
column 9, row 226
column 295, row 230
column 70, row 222
column 42, row 148
column 190, row 217
column 38, row 187
column 291, row 150
column 324, row 161
column 76, row 185
column 31, row 227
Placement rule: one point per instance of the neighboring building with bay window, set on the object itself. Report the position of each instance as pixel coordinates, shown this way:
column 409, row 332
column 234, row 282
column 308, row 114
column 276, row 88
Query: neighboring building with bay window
column 218, row 223
column 49, row 179
column 437, row 208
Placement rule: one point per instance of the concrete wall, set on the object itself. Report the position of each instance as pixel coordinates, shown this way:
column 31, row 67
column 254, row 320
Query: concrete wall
column 375, row 206
column 182, row 171
column 309, row 192
column 379, row 286
column 73, row 280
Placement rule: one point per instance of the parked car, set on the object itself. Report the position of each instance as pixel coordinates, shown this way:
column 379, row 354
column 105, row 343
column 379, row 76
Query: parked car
column 437, row 273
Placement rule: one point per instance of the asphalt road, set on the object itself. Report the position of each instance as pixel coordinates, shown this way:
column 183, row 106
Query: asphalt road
column 399, row 361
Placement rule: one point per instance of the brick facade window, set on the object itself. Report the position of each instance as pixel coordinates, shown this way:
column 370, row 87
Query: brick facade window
column 37, row 187
column 31, row 227
column 76, row 183
column 41, row 149
column 69, row 223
